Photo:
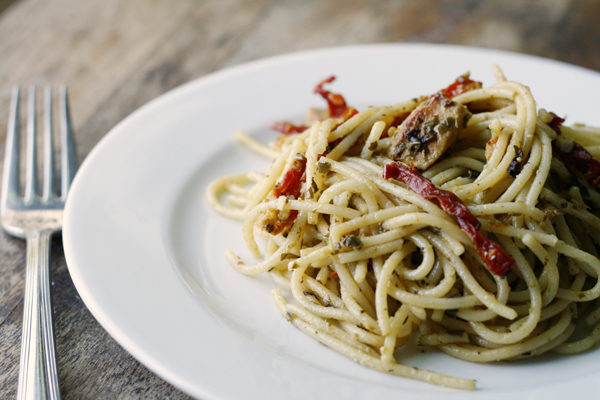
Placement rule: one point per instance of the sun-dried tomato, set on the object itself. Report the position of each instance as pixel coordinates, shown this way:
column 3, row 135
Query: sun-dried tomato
column 287, row 128
column 335, row 101
column 459, row 86
column 556, row 122
column 490, row 252
column 290, row 186
column 291, row 183
column 576, row 157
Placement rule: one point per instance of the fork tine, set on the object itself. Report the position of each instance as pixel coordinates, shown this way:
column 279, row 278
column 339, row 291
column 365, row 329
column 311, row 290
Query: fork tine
column 69, row 155
column 48, row 187
column 10, row 175
column 31, row 153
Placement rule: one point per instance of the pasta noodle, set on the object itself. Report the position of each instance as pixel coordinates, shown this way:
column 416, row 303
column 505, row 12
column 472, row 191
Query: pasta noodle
column 487, row 252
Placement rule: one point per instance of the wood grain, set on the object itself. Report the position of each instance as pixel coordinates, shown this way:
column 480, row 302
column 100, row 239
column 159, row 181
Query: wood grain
column 117, row 55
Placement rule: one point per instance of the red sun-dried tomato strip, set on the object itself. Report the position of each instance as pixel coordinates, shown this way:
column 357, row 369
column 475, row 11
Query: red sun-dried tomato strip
column 577, row 157
column 349, row 113
column 556, row 122
column 287, row 128
column 335, row 101
column 581, row 160
column 336, row 105
column 290, row 185
column 276, row 226
column 459, row 86
column 491, row 253
column 292, row 180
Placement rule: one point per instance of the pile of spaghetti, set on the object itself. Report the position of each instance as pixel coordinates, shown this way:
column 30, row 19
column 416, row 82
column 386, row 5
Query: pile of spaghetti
column 465, row 220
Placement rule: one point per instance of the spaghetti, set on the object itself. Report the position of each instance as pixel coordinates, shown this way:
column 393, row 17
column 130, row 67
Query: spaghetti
column 466, row 220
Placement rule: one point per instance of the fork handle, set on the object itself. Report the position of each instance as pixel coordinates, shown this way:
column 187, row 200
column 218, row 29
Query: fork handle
column 38, row 378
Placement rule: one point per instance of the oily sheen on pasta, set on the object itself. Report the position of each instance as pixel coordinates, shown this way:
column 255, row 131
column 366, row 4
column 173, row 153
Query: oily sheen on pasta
column 465, row 220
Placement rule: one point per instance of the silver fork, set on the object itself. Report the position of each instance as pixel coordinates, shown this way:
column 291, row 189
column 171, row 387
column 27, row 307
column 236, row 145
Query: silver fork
column 36, row 216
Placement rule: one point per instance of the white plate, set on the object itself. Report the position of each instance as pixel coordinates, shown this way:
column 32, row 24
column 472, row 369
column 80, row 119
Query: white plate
column 145, row 251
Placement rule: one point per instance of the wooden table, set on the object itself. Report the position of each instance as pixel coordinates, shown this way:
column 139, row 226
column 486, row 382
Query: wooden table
column 117, row 55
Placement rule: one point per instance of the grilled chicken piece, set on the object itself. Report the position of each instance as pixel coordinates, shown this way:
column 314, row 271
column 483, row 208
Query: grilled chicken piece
column 428, row 131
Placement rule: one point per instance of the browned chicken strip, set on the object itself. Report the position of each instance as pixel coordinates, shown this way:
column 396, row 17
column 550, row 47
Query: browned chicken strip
column 428, row 131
